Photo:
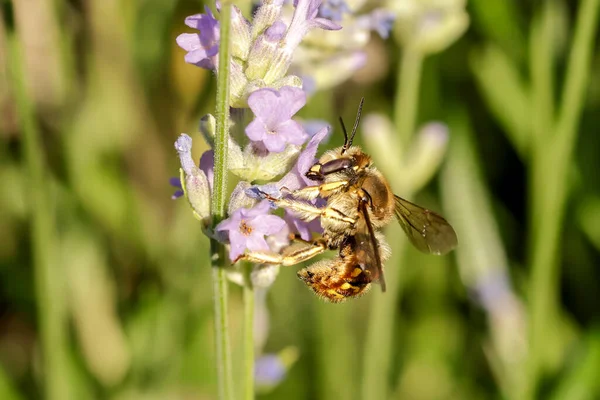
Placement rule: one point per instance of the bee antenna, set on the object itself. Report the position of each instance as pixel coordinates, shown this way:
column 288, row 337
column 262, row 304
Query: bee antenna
column 348, row 143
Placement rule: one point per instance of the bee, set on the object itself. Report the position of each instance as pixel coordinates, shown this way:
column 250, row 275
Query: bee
column 359, row 204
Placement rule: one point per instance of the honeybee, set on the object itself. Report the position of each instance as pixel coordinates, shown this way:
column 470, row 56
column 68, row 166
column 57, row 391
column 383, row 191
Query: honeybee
column 360, row 203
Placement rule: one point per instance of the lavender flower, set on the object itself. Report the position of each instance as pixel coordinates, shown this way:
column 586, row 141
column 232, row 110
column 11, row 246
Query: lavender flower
column 247, row 228
column 269, row 370
column 273, row 126
column 334, row 9
column 176, row 183
column 296, row 178
column 327, row 61
column 202, row 47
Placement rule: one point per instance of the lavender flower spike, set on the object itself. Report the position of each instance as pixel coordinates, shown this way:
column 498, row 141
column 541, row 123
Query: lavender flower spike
column 247, row 228
column 273, row 125
column 304, row 19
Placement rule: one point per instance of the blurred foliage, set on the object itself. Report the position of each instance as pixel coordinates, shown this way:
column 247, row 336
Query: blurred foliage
column 104, row 281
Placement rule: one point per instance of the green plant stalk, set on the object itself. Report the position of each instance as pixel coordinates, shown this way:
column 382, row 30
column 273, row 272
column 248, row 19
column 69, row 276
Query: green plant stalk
column 248, row 298
column 218, row 256
column 550, row 201
column 382, row 314
column 52, row 311
column 407, row 101
column 378, row 343
column 542, row 98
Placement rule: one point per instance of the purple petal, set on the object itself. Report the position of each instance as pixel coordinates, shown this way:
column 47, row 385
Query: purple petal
column 177, row 194
column 304, row 228
column 261, row 208
column 175, row 181
column 276, row 31
column 275, row 142
column 256, row 242
column 292, row 132
column 324, row 23
column 264, row 103
column 230, row 224
column 295, row 99
column 307, row 157
column 256, row 130
column 193, row 21
column 207, row 165
column 295, row 179
column 189, row 41
column 200, row 58
column 238, row 244
column 268, row 224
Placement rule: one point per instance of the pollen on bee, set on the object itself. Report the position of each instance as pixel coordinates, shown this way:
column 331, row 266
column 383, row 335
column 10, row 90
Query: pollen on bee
column 356, row 272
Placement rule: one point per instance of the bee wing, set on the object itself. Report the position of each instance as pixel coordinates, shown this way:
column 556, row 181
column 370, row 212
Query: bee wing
column 368, row 248
column 429, row 232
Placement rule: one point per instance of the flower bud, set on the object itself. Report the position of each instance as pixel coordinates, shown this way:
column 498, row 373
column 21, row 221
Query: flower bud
column 208, row 127
column 265, row 16
column 288, row 80
column 263, row 50
column 426, row 154
column 240, row 32
column 263, row 276
column 337, row 69
column 238, row 83
column 383, row 144
column 265, row 167
column 431, row 26
column 193, row 180
column 239, row 198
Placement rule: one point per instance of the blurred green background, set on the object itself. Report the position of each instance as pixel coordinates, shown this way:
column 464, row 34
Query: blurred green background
column 105, row 289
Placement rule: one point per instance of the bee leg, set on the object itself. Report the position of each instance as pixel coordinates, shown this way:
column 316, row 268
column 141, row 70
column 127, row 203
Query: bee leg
column 287, row 257
column 308, row 212
column 312, row 192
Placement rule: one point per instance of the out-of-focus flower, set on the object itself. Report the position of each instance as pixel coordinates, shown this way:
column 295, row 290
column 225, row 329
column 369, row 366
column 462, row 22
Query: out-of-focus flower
column 334, row 9
column 381, row 21
column 271, row 369
column 325, row 62
column 202, row 47
column 247, row 228
column 273, row 125
column 429, row 25
column 414, row 164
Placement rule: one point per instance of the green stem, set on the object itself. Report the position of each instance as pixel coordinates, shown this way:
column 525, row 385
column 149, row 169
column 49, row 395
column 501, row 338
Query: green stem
column 52, row 312
column 378, row 345
column 382, row 314
column 407, row 101
column 218, row 258
column 248, row 336
column 549, row 203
